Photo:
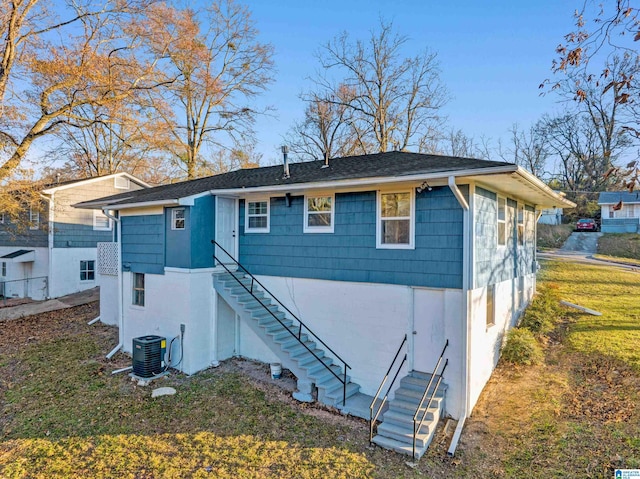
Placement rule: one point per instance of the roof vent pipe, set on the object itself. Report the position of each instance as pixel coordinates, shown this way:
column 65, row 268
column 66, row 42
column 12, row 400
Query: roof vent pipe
column 326, row 160
column 285, row 152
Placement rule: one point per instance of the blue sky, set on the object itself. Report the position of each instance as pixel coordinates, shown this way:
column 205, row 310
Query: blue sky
column 492, row 54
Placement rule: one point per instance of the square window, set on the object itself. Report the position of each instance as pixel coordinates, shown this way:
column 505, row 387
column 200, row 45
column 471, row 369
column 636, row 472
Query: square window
column 396, row 218
column 318, row 214
column 177, row 219
column 101, row 222
column 137, row 297
column 257, row 217
column 87, row 270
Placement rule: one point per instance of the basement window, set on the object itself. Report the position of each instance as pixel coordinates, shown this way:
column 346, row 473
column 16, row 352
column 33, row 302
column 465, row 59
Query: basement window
column 87, row 270
column 257, row 217
column 491, row 305
column 137, row 297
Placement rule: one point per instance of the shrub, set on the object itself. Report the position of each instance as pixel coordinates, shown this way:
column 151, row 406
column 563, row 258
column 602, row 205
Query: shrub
column 522, row 348
column 542, row 313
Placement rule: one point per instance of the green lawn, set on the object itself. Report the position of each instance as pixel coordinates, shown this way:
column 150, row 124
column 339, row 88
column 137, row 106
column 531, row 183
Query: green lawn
column 63, row 414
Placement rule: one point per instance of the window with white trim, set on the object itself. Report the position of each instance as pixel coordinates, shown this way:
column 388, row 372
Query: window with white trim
column 4, row 268
column 529, row 226
column 502, row 221
column 121, row 183
column 257, row 216
column 137, row 293
column 101, row 222
column 491, row 305
column 87, row 270
column 395, row 219
column 177, row 219
column 318, row 213
column 34, row 219
column 521, row 225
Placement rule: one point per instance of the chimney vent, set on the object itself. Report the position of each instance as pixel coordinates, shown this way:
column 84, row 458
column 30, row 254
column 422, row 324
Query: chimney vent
column 285, row 152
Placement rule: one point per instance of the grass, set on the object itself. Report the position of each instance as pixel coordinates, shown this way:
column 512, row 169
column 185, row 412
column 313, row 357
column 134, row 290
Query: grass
column 553, row 236
column 576, row 415
column 624, row 245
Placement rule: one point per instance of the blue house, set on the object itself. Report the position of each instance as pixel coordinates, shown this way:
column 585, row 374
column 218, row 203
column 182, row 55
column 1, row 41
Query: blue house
column 340, row 271
column 620, row 211
column 56, row 254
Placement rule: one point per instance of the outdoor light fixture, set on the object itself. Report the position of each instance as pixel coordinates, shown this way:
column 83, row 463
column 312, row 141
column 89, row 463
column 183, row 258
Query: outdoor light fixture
column 423, row 186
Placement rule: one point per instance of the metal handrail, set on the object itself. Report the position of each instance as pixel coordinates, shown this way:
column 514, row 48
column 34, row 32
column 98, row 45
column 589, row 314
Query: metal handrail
column 5, row 282
column 300, row 323
column 373, row 418
column 424, row 396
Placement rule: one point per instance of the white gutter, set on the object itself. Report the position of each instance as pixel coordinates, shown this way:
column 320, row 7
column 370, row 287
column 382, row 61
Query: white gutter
column 50, row 238
column 118, row 227
column 467, row 238
column 114, row 206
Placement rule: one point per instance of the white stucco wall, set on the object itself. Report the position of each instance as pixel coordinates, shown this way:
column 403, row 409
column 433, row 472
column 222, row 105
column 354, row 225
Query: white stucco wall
column 177, row 297
column 65, row 271
column 487, row 341
column 39, row 268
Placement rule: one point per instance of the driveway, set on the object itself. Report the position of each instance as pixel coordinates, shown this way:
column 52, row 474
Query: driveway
column 581, row 244
column 37, row 307
column 580, row 247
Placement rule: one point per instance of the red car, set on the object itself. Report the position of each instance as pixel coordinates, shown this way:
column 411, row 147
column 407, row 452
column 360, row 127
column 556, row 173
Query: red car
column 586, row 225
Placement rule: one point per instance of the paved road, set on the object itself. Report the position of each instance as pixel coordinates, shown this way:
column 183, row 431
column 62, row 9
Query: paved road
column 37, row 307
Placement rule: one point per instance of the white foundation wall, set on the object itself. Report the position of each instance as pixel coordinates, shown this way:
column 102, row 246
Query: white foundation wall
column 175, row 298
column 365, row 323
column 487, row 341
column 108, row 299
column 65, row 271
column 37, row 288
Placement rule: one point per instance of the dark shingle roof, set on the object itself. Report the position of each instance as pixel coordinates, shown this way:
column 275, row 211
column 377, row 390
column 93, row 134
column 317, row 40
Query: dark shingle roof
column 390, row 164
column 613, row 197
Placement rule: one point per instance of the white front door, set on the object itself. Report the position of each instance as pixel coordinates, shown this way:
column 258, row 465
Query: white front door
column 226, row 227
column 428, row 328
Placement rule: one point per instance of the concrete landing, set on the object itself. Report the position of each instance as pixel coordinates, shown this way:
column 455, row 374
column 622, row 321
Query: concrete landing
column 358, row 406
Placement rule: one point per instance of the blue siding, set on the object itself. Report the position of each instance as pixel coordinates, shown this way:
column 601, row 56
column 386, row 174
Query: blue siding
column 620, row 225
column 74, row 235
column 350, row 254
column 494, row 264
column 178, row 244
column 143, row 243
column 202, row 232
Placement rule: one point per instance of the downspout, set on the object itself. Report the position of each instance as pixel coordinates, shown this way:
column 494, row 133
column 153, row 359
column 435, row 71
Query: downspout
column 117, row 225
column 467, row 237
column 50, row 231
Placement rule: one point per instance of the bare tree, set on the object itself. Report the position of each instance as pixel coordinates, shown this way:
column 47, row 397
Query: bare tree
column 604, row 37
column 325, row 131
column 219, row 65
column 393, row 102
column 526, row 148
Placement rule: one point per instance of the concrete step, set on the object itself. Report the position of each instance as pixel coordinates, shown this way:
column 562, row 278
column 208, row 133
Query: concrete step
column 418, row 384
column 334, row 396
column 410, row 407
column 309, row 361
column 403, row 418
column 267, row 322
column 398, row 446
column 414, row 395
column 404, row 434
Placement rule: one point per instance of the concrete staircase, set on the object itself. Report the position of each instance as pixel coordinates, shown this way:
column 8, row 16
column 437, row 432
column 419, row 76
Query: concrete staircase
column 395, row 430
column 309, row 368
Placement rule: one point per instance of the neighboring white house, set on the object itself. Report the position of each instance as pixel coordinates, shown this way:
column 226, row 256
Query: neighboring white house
column 620, row 211
column 551, row 216
column 56, row 254
column 354, row 257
